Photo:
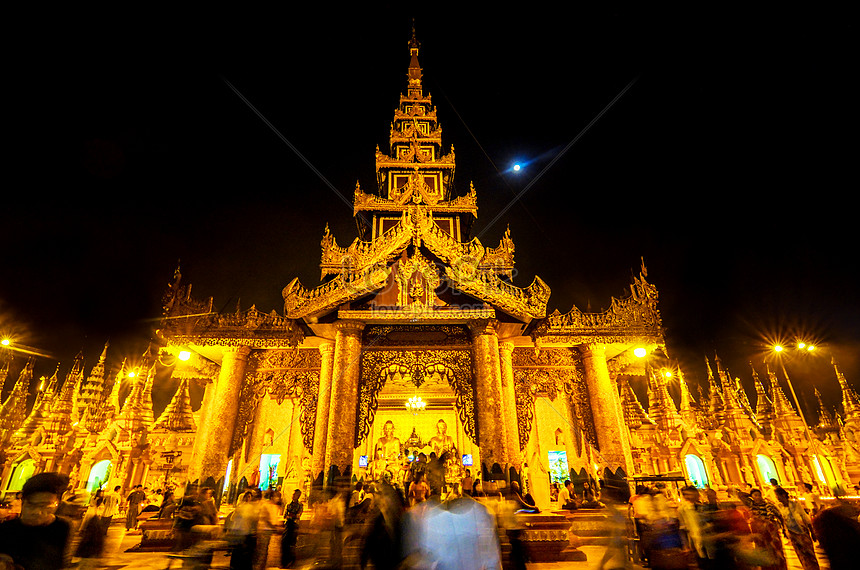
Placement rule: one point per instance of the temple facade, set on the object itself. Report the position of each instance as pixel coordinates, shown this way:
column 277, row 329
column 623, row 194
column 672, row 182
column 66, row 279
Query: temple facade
column 415, row 341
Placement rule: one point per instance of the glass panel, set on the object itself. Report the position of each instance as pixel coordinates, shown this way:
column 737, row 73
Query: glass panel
column 696, row 471
column 99, row 475
column 268, row 470
column 766, row 468
column 23, row 471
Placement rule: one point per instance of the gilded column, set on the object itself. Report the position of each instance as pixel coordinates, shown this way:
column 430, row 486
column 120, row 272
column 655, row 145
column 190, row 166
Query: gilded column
column 488, row 390
column 342, row 416
column 509, row 405
column 221, row 417
column 323, row 405
column 193, row 473
column 612, row 435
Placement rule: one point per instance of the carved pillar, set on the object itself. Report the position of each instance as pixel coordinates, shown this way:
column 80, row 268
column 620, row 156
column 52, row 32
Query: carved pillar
column 211, row 461
column 488, row 389
column 323, row 405
column 342, row 416
column 613, row 437
column 509, row 405
column 193, row 472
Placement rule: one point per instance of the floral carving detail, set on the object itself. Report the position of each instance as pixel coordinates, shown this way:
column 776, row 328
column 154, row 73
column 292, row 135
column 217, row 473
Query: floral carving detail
column 550, row 373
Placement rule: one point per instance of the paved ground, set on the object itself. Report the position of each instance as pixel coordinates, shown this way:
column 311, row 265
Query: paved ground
column 118, row 542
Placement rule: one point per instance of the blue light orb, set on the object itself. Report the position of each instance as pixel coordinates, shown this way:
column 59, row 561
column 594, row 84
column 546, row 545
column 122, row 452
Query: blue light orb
column 516, row 168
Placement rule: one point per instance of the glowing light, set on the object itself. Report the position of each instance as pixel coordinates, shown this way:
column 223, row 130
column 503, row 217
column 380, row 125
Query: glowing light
column 810, row 347
column 132, row 374
column 778, row 348
column 640, row 352
column 184, row 355
column 517, row 168
column 5, row 342
column 415, row 404
column 667, row 373
column 801, row 345
column 818, row 470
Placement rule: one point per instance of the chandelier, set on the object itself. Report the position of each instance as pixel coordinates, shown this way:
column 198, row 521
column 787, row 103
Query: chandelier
column 415, row 404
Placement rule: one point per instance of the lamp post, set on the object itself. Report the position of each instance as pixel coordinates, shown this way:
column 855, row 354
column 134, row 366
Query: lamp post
column 779, row 349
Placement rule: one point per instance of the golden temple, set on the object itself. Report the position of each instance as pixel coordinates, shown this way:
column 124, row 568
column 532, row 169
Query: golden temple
column 414, row 308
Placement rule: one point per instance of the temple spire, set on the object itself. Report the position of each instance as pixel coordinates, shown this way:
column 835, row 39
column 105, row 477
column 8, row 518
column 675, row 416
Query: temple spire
column 688, row 414
column 414, row 74
column 850, row 399
column 781, row 405
column 89, row 397
column 764, row 411
column 178, row 415
column 14, row 410
column 717, row 404
column 635, row 415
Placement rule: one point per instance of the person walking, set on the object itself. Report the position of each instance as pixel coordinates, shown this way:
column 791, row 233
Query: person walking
column 110, row 503
column 766, row 522
column 292, row 514
column 133, row 500
column 798, row 526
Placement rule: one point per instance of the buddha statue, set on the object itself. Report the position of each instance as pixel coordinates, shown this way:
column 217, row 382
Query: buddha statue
column 388, row 447
column 442, row 442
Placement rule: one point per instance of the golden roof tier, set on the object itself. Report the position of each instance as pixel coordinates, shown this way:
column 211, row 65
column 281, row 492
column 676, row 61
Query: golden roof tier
column 634, row 318
column 416, row 170
column 411, row 259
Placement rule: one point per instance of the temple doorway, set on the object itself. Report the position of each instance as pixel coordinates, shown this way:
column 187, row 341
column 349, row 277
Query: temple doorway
column 415, row 413
column 99, row 475
column 696, row 472
column 767, row 468
column 20, row 474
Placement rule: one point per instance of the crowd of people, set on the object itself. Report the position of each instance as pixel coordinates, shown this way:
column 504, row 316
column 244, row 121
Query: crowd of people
column 752, row 529
column 425, row 524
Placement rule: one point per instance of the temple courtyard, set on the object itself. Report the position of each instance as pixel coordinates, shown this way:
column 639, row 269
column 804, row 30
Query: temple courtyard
column 119, row 557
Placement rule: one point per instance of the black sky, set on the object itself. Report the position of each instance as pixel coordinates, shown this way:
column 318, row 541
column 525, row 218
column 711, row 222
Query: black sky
column 726, row 165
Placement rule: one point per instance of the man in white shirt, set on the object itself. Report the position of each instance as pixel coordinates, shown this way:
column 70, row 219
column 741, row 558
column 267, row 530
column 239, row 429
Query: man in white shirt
column 110, row 502
column 565, row 496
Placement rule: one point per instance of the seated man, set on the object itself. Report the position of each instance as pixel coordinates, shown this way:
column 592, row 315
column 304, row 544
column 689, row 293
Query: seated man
column 567, row 498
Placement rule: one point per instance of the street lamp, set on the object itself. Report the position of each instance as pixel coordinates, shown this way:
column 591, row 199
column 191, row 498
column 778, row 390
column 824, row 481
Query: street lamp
column 779, row 349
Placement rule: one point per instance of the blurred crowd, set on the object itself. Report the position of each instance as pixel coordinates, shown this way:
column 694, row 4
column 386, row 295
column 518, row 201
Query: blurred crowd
column 751, row 528
column 345, row 524
column 427, row 525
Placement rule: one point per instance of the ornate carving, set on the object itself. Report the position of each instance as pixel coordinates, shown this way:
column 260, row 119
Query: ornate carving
column 406, row 335
column 378, row 365
column 282, row 374
column 634, row 318
column 550, row 373
column 362, row 268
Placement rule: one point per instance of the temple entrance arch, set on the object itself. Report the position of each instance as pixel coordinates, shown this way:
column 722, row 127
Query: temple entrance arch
column 389, row 435
column 696, row 472
column 767, row 468
column 20, row 474
column 99, row 474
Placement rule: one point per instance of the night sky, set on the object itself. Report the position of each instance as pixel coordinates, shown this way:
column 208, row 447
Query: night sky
column 725, row 164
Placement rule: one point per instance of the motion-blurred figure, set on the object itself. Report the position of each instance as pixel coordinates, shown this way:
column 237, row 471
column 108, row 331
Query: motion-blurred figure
column 798, row 525
column 766, row 523
column 111, row 502
column 461, row 535
column 383, row 542
column 838, row 532
column 37, row 539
